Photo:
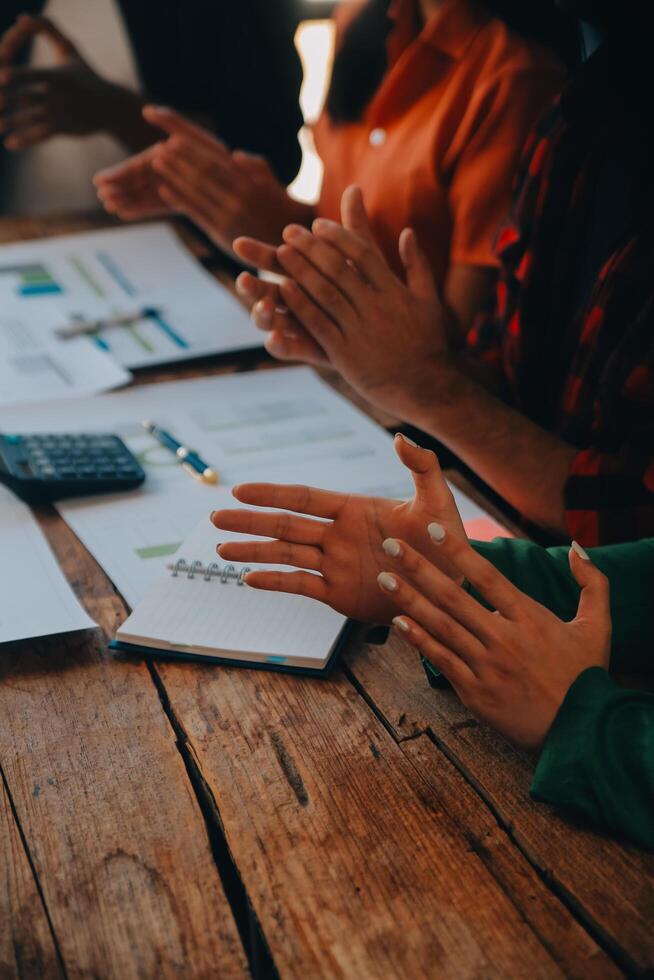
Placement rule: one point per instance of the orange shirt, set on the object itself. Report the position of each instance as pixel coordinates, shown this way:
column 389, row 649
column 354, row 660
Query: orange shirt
column 439, row 143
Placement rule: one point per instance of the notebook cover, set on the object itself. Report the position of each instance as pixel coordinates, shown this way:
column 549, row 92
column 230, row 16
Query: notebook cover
column 280, row 668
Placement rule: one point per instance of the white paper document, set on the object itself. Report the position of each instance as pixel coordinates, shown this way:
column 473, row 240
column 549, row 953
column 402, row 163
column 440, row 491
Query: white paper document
column 279, row 426
column 52, row 282
column 35, row 598
column 34, row 367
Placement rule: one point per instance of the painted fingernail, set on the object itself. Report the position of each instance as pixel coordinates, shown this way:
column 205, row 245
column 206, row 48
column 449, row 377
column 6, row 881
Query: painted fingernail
column 387, row 581
column 392, row 547
column 406, row 439
column 578, row 550
column 436, row 532
column 401, row 624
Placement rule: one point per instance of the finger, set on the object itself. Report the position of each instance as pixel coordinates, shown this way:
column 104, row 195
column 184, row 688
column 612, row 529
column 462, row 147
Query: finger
column 256, row 166
column 297, row 498
column 27, row 27
column 213, row 171
column 186, row 202
column 295, row 583
column 439, row 589
column 334, row 304
column 432, row 490
column 594, row 601
column 130, row 207
column 328, row 260
column 137, row 170
column 438, row 623
column 14, row 99
column 173, row 122
column 18, row 122
column 294, row 344
column 491, row 584
column 419, row 276
column 257, row 254
column 361, row 251
column 456, row 670
column 354, row 215
column 284, row 527
column 198, row 185
column 272, row 553
column 253, row 289
column 29, row 136
column 317, row 324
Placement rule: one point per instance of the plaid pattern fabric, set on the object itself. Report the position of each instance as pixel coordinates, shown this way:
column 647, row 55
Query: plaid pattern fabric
column 587, row 375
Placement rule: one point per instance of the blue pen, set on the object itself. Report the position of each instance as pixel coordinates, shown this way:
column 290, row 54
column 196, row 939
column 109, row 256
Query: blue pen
column 190, row 460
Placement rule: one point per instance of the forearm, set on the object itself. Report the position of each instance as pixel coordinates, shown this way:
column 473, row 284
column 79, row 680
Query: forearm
column 598, row 758
column 544, row 575
column 522, row 462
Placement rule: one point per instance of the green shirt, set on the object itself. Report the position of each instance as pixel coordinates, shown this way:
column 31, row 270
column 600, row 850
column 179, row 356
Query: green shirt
column 598, row 758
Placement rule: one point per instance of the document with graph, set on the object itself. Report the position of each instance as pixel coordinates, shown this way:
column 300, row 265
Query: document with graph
column 144, row 271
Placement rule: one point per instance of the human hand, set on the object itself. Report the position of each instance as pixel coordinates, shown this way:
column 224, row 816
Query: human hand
column 192, row 172
column 512, row 667
column 386, row 339
column 345, row 547
column 36, row 103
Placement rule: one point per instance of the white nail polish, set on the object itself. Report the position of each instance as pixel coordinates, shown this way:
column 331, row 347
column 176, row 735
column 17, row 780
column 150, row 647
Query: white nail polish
column 387, row 582
column 392, row 547
column 578, row 550
column 401, row 624
column 409, row 442
column 436, row 532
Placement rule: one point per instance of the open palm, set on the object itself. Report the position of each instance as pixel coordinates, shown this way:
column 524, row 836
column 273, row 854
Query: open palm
column 344, row 546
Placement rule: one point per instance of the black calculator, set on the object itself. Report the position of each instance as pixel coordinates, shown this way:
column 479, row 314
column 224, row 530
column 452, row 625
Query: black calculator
column 51, row 466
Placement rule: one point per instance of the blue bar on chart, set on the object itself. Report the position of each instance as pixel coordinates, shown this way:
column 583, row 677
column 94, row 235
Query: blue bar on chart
column 32, row 279
column 114, row 270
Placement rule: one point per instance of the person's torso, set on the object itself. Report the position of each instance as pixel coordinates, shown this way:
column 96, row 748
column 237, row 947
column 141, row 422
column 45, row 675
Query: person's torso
column 406, row 146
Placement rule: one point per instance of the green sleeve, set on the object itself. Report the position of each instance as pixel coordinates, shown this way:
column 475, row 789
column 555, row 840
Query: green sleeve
column 544, row 574
column 598, row 758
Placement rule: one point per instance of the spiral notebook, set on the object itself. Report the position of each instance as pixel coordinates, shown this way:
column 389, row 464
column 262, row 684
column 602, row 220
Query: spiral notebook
column 201, row 609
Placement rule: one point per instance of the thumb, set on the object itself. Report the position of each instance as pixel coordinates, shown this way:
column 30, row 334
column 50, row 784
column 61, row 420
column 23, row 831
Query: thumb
column 353, row 213
column 419, row 277
column 256, row 166
column 28, row 27
column 432, row 492
column 594, row 606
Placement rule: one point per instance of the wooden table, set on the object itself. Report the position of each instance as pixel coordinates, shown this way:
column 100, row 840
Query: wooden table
column 175, row 820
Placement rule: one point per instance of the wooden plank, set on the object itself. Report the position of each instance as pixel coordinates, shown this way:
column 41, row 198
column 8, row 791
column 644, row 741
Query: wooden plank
column 352, row 860
column 117, row 839
column 609, row 884
column 27, row 948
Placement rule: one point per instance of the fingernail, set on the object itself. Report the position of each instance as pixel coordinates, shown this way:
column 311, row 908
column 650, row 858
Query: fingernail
column 409, row 442
column 578, row 550
column 392, row 547
column 401, row 624
column 322, row 224
column 212, row 514
column 436, row 532
column 387, row 581
column 292, row 232
column 261, row 312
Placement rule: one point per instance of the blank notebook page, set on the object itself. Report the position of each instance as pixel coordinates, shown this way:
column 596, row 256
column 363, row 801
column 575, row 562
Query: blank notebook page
column 226, row 617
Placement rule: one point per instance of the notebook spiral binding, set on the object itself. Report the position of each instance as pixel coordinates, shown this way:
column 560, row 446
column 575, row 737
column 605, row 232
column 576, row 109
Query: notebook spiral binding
column 214, row 571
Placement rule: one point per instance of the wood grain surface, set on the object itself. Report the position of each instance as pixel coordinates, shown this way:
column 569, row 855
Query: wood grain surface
column 180, row 820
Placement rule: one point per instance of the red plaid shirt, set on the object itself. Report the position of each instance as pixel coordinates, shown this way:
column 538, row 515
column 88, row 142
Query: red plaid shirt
column 584, row 373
